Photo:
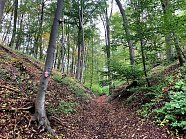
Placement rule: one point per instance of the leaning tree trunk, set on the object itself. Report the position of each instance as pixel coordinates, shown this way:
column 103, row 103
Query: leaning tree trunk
column 40, row 113
column 127, row 32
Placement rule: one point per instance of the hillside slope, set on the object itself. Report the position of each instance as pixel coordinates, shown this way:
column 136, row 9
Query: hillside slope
column 72, row 117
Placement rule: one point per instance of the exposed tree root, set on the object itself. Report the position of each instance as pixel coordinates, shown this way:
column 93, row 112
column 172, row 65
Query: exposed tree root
column 124, row 93
column 42, row 120
column 43, row 123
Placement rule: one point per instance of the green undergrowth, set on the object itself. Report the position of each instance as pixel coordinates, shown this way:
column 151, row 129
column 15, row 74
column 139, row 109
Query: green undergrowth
column 167, row 101
column 63, row 107
column 72, row 84
column 98, row 90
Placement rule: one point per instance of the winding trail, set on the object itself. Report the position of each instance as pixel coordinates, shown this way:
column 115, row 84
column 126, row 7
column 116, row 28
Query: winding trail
column 94, row 119
column 102, row 120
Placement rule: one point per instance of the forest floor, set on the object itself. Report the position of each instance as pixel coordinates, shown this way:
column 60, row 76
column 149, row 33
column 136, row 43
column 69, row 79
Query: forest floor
column 93, row 117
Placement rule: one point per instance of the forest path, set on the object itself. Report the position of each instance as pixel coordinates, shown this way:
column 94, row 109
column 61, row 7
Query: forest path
column 93, row 119
column 103, row 120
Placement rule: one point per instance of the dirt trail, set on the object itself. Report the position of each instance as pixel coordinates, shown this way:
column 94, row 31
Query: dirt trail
column 102, row 120
column 94, row 119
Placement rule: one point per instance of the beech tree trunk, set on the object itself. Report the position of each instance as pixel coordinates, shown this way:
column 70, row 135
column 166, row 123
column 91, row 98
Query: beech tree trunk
column 63, row 47
column 79, row 54
column 178, row 50
column 19, row 37
column 72, row 67
column 169, row 49
column 5, row 35
column 107, row 32
column 82, row 41
column 15, row 23
column 143, row 61
column 38, row 40
column 40, row 113
column 2, row 4
column 41, row 31
column 127, row 32
column 92, row 64
column 68, row 47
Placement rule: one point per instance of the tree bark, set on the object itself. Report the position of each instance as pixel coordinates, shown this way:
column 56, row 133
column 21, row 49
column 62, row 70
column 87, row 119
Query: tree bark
column 41, row 31
column 19, row 36
column 56, row 57
column 15, row 23
column 169, row 50
column 178, row 50
column 92, row 64
column 2, row 5
column 38, row 41
column 82, row 41
column 81, row 48
column 143, row 61
column 68, row 47
column 127, row 32
column 73, row 58
column 40, row 113
column 63, row 47
column 108, row 50
column 5, row 35
column 86, row 67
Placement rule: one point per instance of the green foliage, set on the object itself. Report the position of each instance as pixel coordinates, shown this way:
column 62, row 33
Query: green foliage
column 72, row 84
column 99, row 90
column 63, row 107
column 125, row 72
column 56, row 76
column 105, row 90
column 146, row 110
column 96, row 88
column 173, row 113
column 66, row 107
column 167, row 100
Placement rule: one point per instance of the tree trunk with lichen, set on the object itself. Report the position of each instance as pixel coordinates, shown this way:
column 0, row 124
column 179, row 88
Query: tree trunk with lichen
column 40, row 113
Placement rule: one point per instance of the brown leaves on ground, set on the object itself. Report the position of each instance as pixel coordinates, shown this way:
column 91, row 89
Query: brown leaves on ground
column 93, row 119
